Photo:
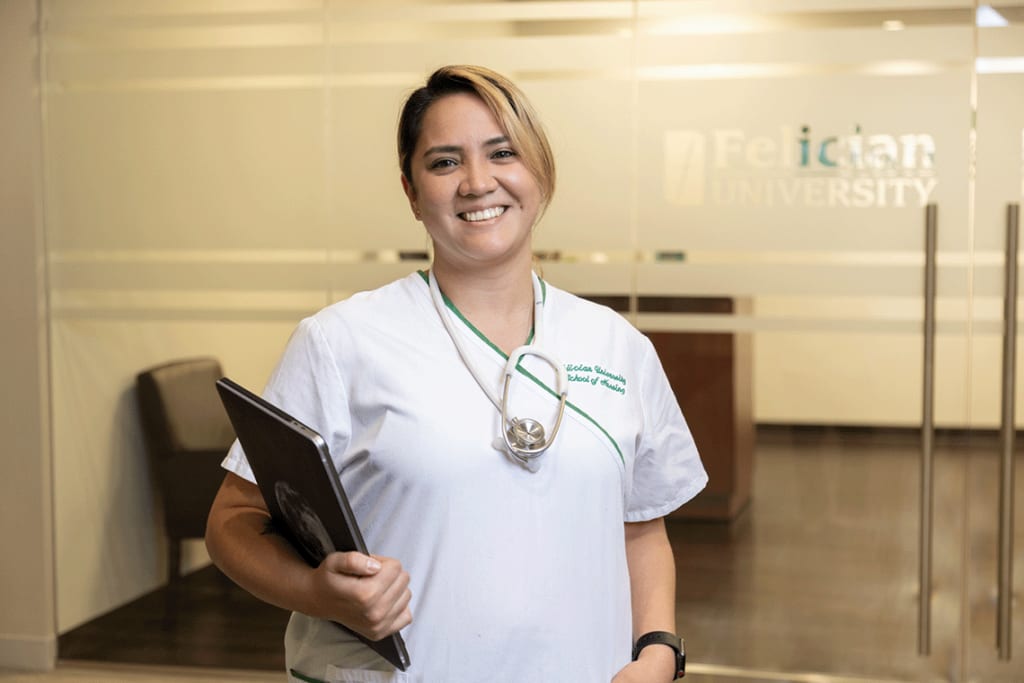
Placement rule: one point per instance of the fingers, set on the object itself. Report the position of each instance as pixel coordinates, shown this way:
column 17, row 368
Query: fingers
column 389, row 612
column 368, row 594
column 387, row 617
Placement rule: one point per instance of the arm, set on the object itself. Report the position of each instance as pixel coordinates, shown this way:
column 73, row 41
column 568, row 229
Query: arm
column 652, row 579
column 368, row 594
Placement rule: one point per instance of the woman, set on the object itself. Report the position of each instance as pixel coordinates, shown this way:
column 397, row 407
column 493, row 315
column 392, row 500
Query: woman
column 505, row 553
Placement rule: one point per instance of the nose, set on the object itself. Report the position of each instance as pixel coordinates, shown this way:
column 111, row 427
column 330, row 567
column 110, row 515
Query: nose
column 477, row 179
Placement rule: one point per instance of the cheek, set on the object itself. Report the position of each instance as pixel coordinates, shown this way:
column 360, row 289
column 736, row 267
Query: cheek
column 526, row 187
column 433, row 189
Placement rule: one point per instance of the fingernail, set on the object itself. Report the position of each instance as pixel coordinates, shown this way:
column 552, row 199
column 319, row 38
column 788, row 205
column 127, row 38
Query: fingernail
column 372, row 565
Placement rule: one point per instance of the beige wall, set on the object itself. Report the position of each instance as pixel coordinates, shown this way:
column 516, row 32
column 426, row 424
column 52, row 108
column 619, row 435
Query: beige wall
column 27, row 617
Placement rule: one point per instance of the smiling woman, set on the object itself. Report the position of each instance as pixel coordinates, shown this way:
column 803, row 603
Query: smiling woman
column 469, row 187
column 506, row 554
column 478, row 171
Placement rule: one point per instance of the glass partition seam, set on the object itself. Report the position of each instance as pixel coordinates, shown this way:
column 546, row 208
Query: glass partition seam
column 43, row 270
column 214, row 315
column 852, row 281
column 328, row 155
column 760, row 675
column 732, row 18
column 665, row 257
column 81, row 38
column 869, row 290
column 75, row 305
column 223, row 39
column 972, row 170
column 634, row 151
column 650, row 73
column 723, row 323
column 217, row 28
column 139, row 15
column 300, row 81
column 486, row 11
column 737, row 70
column 165, row 9
column 222, row 256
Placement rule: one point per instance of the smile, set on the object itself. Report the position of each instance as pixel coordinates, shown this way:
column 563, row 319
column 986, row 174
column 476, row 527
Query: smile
column 483, row 215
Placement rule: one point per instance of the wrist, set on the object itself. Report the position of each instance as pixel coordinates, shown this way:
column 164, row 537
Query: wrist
column 662, row 648
column 659, row 661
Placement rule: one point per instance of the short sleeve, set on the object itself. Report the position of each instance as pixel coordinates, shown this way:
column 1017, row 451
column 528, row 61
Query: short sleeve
column 667, row 470
column 308, row 385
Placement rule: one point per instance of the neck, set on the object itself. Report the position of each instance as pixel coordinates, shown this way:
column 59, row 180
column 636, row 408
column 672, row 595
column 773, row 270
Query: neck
column 498, row 303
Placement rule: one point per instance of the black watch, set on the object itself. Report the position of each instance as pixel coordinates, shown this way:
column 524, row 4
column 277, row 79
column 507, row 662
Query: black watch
column 663, row 638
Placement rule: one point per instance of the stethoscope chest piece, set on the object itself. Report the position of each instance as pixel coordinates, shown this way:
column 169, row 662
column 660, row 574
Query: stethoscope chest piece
column 525, row 437
column 526, row 433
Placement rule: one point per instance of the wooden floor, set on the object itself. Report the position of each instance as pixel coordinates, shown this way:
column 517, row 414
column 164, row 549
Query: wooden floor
column 205, row 620
column 818, row 576
column 106, row 672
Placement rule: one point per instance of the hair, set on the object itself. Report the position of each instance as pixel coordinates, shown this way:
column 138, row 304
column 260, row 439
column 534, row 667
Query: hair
column 506, row 101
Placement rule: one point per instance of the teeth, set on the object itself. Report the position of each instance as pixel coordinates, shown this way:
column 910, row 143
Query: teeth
column 484, row 215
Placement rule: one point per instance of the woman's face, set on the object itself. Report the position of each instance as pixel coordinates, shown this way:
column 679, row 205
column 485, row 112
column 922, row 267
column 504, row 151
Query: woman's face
column 470, row 188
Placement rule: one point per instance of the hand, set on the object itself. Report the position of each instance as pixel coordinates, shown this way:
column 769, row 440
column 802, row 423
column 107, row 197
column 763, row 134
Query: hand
column 370, row 595
column 656, row 664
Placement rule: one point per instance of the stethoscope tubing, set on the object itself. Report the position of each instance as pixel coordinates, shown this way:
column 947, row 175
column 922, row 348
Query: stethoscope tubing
column 523, row 451
column 529, row 452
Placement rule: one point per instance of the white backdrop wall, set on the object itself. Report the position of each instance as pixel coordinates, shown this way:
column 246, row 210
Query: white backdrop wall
column 213, row 174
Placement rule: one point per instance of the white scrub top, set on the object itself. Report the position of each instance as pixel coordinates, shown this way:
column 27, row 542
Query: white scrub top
column 515, row 576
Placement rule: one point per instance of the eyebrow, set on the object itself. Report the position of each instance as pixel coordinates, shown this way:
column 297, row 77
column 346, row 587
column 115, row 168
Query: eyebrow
column 448, row 149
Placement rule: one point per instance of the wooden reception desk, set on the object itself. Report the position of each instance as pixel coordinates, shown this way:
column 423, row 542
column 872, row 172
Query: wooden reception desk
column 710, row 373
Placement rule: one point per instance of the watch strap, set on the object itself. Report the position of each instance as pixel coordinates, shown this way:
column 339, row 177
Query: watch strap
column 663, row 638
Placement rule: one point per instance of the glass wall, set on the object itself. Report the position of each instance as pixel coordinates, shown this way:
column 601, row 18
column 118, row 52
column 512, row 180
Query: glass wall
column 750, row 177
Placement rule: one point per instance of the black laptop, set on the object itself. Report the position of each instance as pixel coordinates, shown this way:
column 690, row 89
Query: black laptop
column 296, row 476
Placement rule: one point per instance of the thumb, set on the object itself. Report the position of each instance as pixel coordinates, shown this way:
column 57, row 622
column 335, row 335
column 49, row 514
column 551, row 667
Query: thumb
column 352, row 563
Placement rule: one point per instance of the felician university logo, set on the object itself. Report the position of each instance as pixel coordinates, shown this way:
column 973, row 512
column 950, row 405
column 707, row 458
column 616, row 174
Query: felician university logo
column 794, row 168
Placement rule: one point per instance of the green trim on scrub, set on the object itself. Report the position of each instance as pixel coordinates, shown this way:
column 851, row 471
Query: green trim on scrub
column 524, row 371
column 308, row 679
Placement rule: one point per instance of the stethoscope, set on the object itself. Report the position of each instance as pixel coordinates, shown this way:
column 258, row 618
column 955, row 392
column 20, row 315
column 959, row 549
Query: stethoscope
column 524, row 438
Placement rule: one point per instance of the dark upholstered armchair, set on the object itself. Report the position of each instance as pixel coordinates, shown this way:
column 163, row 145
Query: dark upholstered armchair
column 187, row 434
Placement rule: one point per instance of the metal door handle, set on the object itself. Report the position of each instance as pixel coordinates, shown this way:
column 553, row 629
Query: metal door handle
column 924, row 613
column 1008, row 433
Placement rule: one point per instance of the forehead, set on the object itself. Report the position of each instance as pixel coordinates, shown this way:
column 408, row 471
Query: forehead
column 460, row 118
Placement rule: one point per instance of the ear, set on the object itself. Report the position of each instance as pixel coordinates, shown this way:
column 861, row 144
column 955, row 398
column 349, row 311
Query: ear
column 410, row 193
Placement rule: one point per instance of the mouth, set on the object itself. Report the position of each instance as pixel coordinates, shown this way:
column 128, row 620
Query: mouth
column 483, row 214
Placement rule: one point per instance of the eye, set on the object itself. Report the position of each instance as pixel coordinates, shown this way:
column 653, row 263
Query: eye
column 504, row 154
column 441, row 164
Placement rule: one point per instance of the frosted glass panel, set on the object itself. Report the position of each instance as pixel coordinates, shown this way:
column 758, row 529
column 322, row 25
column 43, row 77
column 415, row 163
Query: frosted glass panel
column 186, row 169
column 217, row 170
column 185, row 153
